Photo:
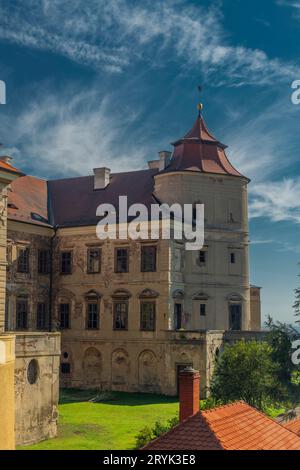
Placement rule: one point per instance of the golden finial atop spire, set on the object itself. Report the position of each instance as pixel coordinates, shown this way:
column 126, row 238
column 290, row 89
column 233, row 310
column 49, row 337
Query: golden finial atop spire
column 199, row 105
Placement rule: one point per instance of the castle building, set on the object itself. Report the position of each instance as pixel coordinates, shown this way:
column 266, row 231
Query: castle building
column 133, row 313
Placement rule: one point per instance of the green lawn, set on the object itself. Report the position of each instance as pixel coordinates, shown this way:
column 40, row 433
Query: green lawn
column 111, row 424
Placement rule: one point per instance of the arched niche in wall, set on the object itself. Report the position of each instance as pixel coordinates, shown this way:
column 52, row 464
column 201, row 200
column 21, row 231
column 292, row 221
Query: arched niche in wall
column 148, row 371
column 120, row 367
column 92, row 366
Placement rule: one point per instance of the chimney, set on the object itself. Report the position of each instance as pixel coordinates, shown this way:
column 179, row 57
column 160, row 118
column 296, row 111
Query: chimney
column 189, row 393
column 5, row 158
column 164, row 159
column 101, row 177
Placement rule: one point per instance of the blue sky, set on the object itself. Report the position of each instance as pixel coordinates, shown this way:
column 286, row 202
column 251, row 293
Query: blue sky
column 91, row 83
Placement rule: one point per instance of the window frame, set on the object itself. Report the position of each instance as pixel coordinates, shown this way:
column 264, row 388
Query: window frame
column 25, row 312
column 120, row 302
column 38, row 325
column 62, row 253
column 204, row 254
column 202, row 314
column 88, row 267
column 153, row 319
column 68, row 316
column 154, row 258
column 43, row 264
column 23, row 260
column 94, row 303
column 117, row 249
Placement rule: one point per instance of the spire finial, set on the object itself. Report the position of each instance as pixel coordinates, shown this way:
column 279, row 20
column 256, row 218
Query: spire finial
column 199, row 105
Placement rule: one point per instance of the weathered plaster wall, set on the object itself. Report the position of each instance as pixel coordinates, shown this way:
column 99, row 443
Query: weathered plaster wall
column 7, row 397
column 36, row 403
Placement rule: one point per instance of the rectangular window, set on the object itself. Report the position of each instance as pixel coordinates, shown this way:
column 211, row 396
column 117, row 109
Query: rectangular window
column 66, row 262
column 64, row 316
column 92, row 316
column 121, row 260
column 235, row 317
column 41, row 316
column 94, row 260
column 65, row 368
column 148, row 259
column 177, row 316
column 202, row 310
column 23, row 260
column 147, row 316
column 121, row 316
column 202, row 257
column 44, row 261
column 232, row 258
column 22, row 314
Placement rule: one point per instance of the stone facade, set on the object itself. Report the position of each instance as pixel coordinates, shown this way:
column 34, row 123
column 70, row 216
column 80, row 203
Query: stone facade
column 131, row 359
column 29, row 362
column 36, row 386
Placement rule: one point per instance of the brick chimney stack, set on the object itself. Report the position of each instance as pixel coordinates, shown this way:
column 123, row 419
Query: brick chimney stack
column 189, row 393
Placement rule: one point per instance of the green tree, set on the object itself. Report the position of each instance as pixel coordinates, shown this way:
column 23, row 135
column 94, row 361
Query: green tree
column 280, row 337
column 245, row 371
column 296, row 305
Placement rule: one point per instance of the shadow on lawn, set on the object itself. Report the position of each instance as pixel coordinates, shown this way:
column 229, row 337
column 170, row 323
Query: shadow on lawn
column 73, row 395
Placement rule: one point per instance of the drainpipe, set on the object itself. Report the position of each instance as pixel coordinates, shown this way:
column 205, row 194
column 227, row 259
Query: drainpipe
column 51, row 279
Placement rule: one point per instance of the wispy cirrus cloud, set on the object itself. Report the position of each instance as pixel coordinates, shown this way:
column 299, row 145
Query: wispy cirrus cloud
column 113, row 35
column 69, row 133
column 276, row 200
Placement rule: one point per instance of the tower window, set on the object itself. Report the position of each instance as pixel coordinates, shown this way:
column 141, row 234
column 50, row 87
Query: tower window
column 66, row 262
column 202, row 257
column 23, row 260
column 232, row 258
column 202, row 310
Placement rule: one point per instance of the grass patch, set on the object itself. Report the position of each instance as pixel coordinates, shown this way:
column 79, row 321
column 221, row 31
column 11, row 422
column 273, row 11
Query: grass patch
column 109, row 424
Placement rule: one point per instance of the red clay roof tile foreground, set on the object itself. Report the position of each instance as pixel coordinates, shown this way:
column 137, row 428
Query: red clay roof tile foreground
column 293, row 426
column 237, row 426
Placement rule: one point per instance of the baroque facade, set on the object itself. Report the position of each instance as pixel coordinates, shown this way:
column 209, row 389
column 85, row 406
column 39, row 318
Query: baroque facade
column 132, row 313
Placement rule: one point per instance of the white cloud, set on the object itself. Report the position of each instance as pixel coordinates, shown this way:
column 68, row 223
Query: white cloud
column 113, row 35
column 71, row 133
column 278, row 200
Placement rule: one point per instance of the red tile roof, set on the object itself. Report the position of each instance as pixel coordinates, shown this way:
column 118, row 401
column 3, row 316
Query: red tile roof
column 237, row 426
column 27, row 200
column 294, row 426
column 200, row 151
column 73, row 201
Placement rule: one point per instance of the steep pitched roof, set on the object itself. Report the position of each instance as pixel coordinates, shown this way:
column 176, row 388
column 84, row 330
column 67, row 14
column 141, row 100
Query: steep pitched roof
column 294, row 426
column 237, row 426
column 200, row 151
column 27, row 200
